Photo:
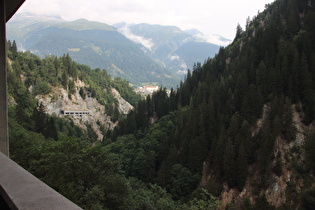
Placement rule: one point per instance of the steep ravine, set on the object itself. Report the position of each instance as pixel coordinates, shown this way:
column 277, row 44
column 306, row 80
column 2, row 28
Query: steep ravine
column 58, row 100
column 280, row 188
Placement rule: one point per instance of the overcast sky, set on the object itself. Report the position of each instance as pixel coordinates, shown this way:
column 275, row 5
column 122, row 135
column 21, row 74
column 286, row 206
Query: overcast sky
column 209, row 16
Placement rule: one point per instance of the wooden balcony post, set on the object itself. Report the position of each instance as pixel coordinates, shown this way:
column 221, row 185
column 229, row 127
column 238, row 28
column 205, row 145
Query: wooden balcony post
column 4, row 138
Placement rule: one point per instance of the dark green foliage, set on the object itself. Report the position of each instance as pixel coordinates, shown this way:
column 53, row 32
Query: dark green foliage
column 91, row 135
column 42, row 74
column 308, row 199
column 27, row 72
column 71, row 87
column 289, row 129
column 39, row 116
column 24, row 144
column 41, row 87
column 239, row 32
column 214, row 187
column 123, row 87
column 202, row 200
column 82, row 93
column 241, row 167
column 12, row 49
column 154, row 107
column 90, row 178
column 182, row 182
column 229, row 164
column 277, row 169
column 262, row 204
column 64, row 80
column 31, row 132
column 267, row 69
column 150, row 197
column 310, row 150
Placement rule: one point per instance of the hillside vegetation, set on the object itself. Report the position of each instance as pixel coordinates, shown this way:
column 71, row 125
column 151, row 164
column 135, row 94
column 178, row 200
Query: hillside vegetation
column 240, row 125
column 44, row 144
column 30, row 78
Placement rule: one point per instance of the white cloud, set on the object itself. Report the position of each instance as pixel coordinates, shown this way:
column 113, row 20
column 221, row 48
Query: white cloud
column 174, row 57
column 210, row 17
column 183, row 65
column 213, row 39
column 147, row 43
column 182, row 72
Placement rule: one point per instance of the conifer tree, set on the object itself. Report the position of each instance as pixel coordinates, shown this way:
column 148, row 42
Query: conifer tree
column 132, row 124
column 239, row 32
column 39, row 117
column 218, row 150
column 288, row 127
column 14, row 49
column 229, row 163
column 241, row 164
column 21, row 116
column 64, row 79
column 51, row 129
column 310, row 150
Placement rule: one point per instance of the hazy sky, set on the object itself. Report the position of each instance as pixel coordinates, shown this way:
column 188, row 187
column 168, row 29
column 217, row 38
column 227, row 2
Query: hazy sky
column 209, row 16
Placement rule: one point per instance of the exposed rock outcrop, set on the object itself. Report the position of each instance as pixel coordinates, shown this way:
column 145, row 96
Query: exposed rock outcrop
column 289, row 154
column 59, row 100
column 123, row 105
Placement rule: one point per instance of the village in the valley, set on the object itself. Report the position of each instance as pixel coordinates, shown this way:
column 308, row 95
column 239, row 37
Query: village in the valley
column 146, row 89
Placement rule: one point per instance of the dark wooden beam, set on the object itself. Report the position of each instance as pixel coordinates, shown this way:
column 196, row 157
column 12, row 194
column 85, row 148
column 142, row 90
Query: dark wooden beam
column 11, row 7
column 4, row 139
column 7, row 10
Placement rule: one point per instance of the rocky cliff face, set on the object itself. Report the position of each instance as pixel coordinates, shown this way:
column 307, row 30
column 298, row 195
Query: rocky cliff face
column 123, row 106
column 58, row 100
column 280, row 187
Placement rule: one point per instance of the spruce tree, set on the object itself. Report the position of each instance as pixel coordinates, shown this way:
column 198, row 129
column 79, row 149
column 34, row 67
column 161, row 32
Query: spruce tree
column 51, row 130
column 14, row 49
column 288, row 127
column 229, row 168
column 39, row 117
column 241, row 164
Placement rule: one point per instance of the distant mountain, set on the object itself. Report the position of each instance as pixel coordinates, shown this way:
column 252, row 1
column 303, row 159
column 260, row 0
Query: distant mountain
column 140, row 53
column 163, row 43
column 183, row 55
column 21, row 25
column 95, row 44
column 193, row 31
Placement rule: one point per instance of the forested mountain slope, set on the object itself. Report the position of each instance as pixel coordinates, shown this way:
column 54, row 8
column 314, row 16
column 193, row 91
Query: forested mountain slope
column 65, row 151
column 54, row 85
column 242, row 124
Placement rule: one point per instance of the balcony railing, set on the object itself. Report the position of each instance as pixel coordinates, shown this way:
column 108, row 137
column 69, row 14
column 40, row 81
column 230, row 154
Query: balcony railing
column 21, row 190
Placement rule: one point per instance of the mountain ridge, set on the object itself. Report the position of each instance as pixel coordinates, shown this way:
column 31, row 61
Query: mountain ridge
column 95, row 44
column 85, row 41
column 163, row 42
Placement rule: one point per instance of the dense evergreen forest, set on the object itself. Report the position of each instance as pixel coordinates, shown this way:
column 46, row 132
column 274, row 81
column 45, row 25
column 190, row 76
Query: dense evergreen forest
column 209, row 122
column 60, row 153
column 219, row 130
